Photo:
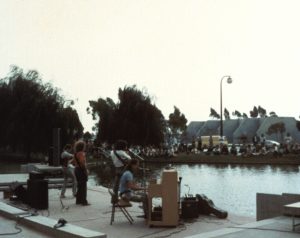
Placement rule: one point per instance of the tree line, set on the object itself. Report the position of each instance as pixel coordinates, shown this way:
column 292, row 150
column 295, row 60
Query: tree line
column 257, row 111
column 30, row 110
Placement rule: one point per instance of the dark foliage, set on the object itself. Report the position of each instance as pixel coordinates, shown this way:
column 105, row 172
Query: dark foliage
column 29, row 112
column 214, row 114
column 177, row 120
column 254, row 112
column 226, row 114
column 134, row 118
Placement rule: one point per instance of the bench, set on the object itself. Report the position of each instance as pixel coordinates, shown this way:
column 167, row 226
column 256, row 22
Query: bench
column 293, row 209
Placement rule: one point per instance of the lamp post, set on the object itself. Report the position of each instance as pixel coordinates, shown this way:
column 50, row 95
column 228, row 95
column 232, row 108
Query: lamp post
column 229, row 80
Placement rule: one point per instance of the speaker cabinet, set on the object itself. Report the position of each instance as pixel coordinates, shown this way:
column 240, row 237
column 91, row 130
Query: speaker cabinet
column 34, row 175
column 189, row 209
column 37, row 193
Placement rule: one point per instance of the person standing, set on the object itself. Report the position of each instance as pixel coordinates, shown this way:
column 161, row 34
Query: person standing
column 68, row 170
column 262, row 140
column 81, row 173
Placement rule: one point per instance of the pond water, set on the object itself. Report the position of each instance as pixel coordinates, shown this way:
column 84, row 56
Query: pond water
column 231, row 187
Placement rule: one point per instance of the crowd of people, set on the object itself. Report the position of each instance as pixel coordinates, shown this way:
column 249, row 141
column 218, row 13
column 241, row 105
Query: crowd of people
column 259, row 146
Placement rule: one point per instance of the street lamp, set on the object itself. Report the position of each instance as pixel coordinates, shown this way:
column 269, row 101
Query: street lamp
column 229, row 80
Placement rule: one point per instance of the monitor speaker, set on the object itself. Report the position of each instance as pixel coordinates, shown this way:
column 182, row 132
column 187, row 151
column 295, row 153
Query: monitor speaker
column 189, row 209
column 37, row 193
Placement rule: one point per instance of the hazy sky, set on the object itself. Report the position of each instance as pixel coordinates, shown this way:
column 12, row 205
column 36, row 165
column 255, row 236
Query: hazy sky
column 177, row 50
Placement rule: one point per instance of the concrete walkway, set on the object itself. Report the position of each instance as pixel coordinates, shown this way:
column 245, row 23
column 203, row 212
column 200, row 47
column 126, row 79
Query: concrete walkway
column 96, row 217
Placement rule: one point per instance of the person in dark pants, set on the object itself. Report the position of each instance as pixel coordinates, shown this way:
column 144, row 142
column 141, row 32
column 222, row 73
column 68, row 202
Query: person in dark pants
column 81, row 173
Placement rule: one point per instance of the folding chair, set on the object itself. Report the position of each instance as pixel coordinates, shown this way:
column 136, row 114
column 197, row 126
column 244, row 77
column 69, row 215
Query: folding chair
column 115, row 202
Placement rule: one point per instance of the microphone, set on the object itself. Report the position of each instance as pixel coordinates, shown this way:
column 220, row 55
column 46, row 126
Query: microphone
column 61, row 222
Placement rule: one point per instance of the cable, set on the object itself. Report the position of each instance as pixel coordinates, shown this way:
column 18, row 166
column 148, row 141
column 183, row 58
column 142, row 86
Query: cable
column 13, row 233
column 153, row 233
column 174, row 232
column 16, row 226
column 184, row 227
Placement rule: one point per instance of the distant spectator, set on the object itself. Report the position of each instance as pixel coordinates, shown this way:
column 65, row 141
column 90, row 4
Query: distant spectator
column 262, row 140
column 243, row 149
column 288, row 139
column 255, row 140
column 217, row 150
column 233, row 150
column 224, row 149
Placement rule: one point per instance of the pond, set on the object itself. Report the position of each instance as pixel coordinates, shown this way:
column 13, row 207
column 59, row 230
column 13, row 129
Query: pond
column 231, row 187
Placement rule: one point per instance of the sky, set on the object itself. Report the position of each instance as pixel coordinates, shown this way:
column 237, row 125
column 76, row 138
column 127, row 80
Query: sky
column 177, row 50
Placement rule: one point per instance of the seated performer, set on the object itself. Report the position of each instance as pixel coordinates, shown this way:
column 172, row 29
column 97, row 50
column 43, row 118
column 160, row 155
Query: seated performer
column 127, row 186
column 120, row 159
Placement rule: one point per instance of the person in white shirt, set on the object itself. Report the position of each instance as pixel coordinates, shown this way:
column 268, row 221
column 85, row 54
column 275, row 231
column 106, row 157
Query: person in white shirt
column 119, row 155
column 120, row 160
column 68, row 170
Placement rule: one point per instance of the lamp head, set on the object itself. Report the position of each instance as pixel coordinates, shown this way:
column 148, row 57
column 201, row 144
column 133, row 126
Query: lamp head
column 229, row 80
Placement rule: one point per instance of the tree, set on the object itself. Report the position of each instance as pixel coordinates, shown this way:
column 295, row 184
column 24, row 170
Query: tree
column 273, row 114
column 226, row 114
column 254, row 112
column 134, row 118
column 177, row 121
column 34, row 109
column 104, row 111
column 71, row 127
column 245, row 115
column 237, row 114
column 262, row 112
column 214, row 114
column 87, row 136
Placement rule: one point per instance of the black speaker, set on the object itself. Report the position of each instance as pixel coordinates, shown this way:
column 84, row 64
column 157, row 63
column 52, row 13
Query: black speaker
column 189, row 208
column 34, row 175
column 37, row 193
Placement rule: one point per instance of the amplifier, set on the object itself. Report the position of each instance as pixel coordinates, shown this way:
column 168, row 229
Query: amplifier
column 189, row 208
column 34, row 175
column 37, row 193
